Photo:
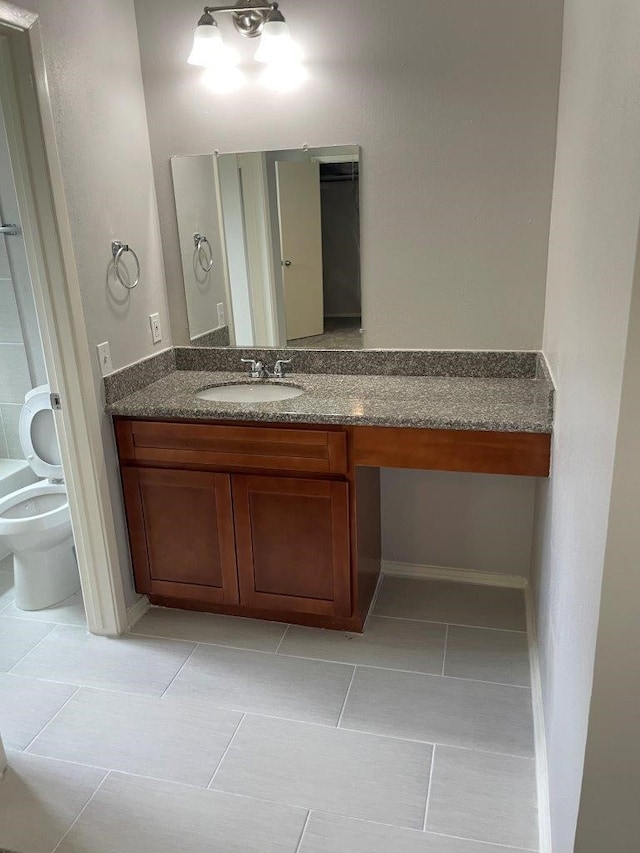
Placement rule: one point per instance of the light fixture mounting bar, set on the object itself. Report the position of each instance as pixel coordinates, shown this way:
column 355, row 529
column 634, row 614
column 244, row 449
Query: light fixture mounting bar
column 249, row 16
column 211, row 10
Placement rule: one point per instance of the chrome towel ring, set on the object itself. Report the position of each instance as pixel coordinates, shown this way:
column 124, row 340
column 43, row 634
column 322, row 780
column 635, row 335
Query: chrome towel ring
column 118, row 249
column 205, row 261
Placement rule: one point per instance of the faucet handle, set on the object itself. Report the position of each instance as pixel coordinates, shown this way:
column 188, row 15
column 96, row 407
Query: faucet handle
column 256, row 366
column 279, row 368
column 258, row 370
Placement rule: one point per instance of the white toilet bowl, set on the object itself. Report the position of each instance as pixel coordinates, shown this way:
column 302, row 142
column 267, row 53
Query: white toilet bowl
column 35, row 522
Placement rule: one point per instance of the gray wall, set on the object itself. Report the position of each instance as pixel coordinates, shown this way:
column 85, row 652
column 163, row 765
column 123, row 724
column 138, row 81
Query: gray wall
column 594, row 227
column 464, row 521
column 93, row 65
column 608, row 817
column 454, row 105
column 341, row 248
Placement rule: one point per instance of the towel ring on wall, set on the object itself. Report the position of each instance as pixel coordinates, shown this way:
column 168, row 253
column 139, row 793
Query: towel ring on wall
column 118, row 249
column 205, row 261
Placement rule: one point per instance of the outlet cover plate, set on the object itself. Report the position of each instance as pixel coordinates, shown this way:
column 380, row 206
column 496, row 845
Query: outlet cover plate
column 156, row 328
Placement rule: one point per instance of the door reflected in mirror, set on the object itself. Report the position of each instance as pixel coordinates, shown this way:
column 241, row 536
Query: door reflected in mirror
column 270, row 247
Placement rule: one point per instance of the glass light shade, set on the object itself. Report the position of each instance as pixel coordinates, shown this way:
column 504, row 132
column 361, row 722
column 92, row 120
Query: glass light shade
column 208, row 47
column 283, row 76
column 276, row 44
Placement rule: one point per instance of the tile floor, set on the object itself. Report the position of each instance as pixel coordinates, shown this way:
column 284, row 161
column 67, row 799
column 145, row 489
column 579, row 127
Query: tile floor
column 339, row 333
column 208, row 733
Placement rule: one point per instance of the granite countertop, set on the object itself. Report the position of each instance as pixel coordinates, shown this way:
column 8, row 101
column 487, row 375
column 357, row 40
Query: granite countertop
column 432, row 402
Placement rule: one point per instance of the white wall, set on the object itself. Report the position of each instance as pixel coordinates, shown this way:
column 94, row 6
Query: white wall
column 594, row 226
column 197, row 211
column 608, row 817
column 454, row 105
column 93, row 64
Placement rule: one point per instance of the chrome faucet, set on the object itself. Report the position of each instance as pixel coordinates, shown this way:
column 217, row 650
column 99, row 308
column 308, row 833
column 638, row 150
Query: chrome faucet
column 259, row 369
column 279, row 369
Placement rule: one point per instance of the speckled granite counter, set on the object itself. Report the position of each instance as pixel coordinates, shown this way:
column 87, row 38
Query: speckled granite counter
column 431, row 402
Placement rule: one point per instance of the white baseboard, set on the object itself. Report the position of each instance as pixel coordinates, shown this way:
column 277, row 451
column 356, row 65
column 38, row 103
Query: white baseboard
column 539, row 732
column 444, row 573
column 137, row 611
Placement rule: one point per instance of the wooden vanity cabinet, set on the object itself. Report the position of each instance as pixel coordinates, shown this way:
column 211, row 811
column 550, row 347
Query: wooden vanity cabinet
column 281, row 522
column 292, row 544
column 181, row 533
column 214, row 526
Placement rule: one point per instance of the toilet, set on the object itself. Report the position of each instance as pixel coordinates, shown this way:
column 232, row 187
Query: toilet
column 35, row 522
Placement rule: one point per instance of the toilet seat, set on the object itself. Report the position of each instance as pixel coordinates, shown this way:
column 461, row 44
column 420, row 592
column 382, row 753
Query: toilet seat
column 41, row 506
column 38, row 437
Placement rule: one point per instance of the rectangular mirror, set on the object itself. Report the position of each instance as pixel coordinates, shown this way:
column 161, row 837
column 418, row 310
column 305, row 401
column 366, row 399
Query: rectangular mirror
column 270, row 247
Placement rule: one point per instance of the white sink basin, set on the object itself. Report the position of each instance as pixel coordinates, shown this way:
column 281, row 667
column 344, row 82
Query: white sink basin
column 250, row 392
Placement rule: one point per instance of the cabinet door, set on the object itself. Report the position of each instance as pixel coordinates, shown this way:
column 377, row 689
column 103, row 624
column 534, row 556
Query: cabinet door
column 181, row 534
column 292, row 541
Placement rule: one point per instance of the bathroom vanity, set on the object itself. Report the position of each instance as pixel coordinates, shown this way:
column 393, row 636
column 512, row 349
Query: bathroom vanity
column 272, row 510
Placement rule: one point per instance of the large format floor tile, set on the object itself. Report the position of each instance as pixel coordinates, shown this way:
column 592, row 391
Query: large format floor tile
column 6, row 588
column 457, row 603
column 40, row 799
column 393, row 643
column 449, row 711
column 133, row 664
column 317, row 767
column 26, row 706
column 168, row 739
column 69, row 612
column 265, row 684
column 487, row 797
column 211, row 628
column 17, row 638
column 501, row 656
column 133, row 815
column 327, row 833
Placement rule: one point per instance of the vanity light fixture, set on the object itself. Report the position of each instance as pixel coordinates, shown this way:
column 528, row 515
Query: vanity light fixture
column 276, row 44
column 251, row 18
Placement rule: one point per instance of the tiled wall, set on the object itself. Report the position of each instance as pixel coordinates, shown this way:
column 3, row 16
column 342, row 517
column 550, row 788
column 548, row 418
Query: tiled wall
column 15, row 377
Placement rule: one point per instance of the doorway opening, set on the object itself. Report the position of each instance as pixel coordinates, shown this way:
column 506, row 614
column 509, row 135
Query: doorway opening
column 51, row 417
column 38, row 567
column 340, row 224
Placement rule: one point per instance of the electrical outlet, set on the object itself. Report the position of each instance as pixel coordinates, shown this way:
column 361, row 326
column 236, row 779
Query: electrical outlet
column 156, row 328
column 104, row 357
column 221, row 314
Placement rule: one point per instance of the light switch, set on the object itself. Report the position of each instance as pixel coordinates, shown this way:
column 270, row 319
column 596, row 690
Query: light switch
column 104, row 357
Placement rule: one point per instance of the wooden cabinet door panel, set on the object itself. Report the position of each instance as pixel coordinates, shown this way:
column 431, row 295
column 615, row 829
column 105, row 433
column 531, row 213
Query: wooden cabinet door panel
column 292, row 540
column 181, row 532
